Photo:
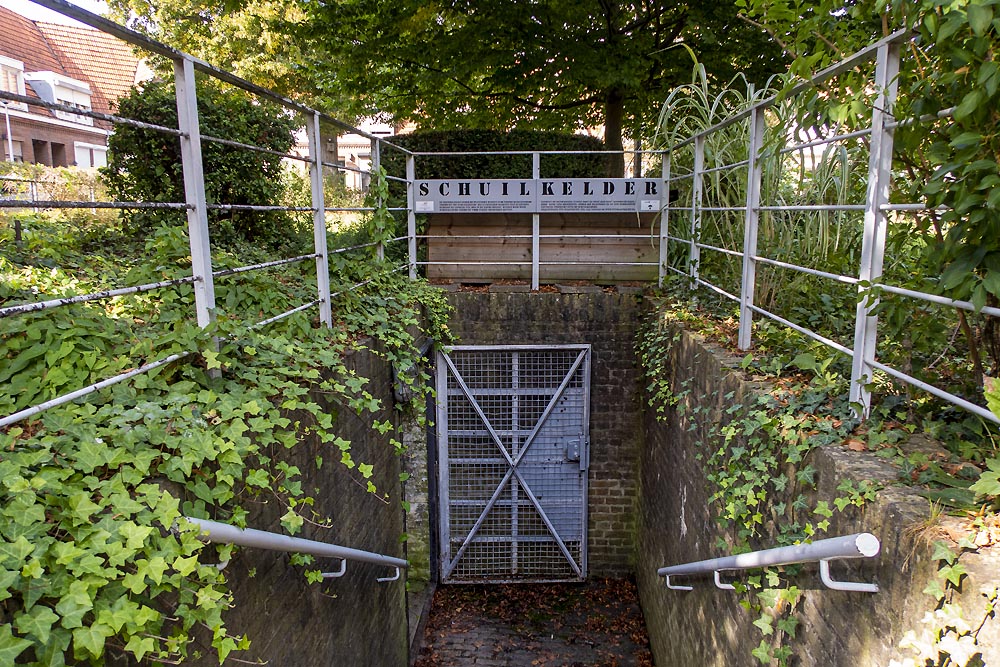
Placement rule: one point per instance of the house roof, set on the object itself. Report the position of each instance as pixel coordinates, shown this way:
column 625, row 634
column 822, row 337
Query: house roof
column 21, row 39
column 104, row 62
column 107, row 63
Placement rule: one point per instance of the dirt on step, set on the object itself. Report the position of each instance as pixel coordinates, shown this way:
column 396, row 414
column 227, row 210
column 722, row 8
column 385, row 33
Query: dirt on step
column 593, row 624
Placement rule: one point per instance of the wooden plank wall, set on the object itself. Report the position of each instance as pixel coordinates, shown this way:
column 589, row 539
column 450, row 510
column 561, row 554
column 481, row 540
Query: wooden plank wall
column 509, row 258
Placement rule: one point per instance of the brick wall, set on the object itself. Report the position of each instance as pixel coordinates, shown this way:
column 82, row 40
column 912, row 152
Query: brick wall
column 352, row 620
column 608, row 322
column 707, row 626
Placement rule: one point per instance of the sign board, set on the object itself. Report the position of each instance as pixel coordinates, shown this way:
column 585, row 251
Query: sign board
column 542, row 195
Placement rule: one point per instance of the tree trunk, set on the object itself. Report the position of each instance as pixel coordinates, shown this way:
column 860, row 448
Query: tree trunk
column 614, row 112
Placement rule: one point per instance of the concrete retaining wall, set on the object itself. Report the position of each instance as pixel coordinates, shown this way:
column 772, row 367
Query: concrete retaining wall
column 352, row 620
column 708, row 626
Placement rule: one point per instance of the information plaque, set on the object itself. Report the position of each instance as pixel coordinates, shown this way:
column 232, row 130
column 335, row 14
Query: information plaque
column 543, row 195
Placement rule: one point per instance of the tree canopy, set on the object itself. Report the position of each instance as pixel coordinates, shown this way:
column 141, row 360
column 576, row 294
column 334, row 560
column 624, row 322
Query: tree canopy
column 566, row 64
column 445, row 64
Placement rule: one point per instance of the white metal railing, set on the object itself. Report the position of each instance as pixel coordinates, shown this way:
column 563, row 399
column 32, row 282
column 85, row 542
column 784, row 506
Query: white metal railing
column 875, row 209
column 224, row 533
column 859, row 545
column 188, row 131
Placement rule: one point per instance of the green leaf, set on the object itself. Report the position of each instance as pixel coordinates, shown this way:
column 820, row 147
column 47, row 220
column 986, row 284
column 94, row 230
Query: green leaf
column 980, row 17
column 764, row 624
column 90, row 639
column 37, row 623
column 10, row 646
column 292, row 521
column 789, row 625
column 73, row 605
column 762, row 652
column 943, row 552
column 140, row 646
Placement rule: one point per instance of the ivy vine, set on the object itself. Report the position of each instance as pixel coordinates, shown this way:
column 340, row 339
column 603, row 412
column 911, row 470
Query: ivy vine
column 95, row 557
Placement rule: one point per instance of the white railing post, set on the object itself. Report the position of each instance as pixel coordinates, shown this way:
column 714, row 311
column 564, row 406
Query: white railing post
column 411, row 216
column 194, row 190
column 314, row 136
column 750, row 226
column 380, row 202
column 873, row 243
column 697, row 177
column 664, row 218
column 536, row 173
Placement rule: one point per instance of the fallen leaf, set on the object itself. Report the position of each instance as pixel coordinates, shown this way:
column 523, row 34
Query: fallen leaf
column 856, row 445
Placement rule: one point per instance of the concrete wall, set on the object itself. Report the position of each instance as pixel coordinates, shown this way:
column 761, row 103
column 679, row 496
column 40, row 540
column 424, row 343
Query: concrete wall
column 708, row 626
column 608, row 322
column 352, row 620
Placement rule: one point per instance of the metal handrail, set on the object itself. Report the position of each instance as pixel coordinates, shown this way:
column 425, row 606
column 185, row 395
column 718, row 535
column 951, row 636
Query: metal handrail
column 224, row 533
column 858, row 545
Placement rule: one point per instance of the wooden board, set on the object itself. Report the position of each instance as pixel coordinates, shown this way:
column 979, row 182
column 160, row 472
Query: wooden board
column 458, row 252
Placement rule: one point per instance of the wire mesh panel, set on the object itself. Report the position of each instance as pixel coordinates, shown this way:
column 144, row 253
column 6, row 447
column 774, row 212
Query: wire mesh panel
column 512, row 431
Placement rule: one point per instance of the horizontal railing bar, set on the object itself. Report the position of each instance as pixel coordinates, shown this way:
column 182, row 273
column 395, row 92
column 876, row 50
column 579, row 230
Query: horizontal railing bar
column 595, row 236
column 858, row 545
column 254, row 148
column 802, row 330
column 578, row 263
column 461, row 153
column 940, row 115
column 37, row 203
column 716, row 289
column 725, row 251
column 802, row 269
column 482, row 263
column 263, row 265
column 813, row 207
column 350, row 209
column 940, row 393
column 353, row 247
column 258, row 207
column 344, row 167
column 475, row 236
column 678, row 271
column 287, row 313
column 214, row 531
column 529, row 236
column 940, row 300
column 917, row 207
column 715, row 209
column 106, row 294
column 826, row 140
column 734, row 165
column 398, row 179
column 111, row 118
column 89, row 389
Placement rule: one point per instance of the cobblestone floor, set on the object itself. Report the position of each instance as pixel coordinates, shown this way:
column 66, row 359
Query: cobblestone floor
column 595, row 624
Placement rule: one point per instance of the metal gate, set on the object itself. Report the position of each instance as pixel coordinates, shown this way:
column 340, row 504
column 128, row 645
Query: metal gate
column 513, row 457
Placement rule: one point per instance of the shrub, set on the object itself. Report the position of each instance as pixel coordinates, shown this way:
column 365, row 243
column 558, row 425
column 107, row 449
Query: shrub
column 145, row 165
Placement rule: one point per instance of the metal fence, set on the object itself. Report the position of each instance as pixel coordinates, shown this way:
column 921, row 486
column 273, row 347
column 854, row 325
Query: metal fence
column 195, row 204
column 682, row 242
column 679, row 243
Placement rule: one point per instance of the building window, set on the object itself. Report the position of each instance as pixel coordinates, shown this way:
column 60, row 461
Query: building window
column 90, row 155
column 12, row 81
column 14, row 147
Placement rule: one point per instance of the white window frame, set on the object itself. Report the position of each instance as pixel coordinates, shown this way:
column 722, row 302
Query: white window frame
column 18, row 68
